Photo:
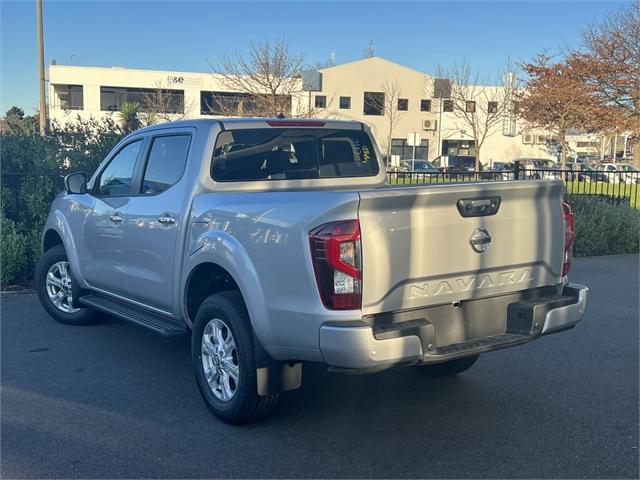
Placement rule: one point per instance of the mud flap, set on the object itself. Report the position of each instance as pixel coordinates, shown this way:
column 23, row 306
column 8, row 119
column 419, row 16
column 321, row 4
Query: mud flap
column 273, row 376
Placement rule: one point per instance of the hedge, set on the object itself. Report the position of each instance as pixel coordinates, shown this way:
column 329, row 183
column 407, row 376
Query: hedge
column 604, row 227
column 32, row 170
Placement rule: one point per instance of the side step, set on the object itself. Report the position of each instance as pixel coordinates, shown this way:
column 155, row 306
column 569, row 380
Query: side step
column 483, row 344
column 165, row 326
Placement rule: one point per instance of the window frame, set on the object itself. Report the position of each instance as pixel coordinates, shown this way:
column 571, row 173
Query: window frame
column 348, row 107
column 405, row 103
column 364, row 104
column 95, row 181
column 293, row 181
column 144, row 162
column 470, row 106
column 125, row 94
column 422, row 103
column 493, row 111
column 448, row 101
column 58, row 89
column 323, row 100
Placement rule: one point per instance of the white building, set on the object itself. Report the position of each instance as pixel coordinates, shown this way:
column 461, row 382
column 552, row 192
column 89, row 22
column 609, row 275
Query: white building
column 349, row 91
column 96, row 92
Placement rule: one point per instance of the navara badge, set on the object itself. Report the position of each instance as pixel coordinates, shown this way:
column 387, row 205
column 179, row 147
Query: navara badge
column 480, row 240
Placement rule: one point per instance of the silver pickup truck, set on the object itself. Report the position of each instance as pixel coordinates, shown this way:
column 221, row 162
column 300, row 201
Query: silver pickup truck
column 273, row 242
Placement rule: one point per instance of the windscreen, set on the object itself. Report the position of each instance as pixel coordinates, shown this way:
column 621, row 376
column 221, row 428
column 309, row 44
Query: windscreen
column 292, row 153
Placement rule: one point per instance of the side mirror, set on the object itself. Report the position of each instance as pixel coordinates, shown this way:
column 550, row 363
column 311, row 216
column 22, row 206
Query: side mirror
column 76, row 183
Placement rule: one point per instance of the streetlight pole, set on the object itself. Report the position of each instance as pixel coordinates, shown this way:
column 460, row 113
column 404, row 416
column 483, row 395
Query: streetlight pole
column 42, row 117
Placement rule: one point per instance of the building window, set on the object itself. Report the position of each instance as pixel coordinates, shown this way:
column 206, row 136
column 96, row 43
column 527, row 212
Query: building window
column 592, row 144
column 403, row 104
column 528, row 138
column 234, row 104
column 425, row 105
column 373, row 103
column 321, row 101
column 447, row 105
column 153, row 100
column 459, row 148
column 492, row 107
column 470, row 107
column 400, row 148
column 345, row 102
column 68, row 97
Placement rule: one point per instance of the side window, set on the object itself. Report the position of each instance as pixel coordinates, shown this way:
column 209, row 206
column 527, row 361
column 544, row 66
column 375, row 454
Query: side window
column 115, row 180
column 167, row 159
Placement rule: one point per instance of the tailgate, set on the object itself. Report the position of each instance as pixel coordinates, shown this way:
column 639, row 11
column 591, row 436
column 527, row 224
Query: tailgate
column 418, row 249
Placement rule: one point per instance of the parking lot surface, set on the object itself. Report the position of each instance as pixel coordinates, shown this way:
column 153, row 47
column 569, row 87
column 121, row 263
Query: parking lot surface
column 113, row 400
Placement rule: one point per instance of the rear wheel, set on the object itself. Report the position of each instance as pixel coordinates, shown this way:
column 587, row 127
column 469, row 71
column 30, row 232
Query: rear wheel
column 54, row 287
column 223, row 358
column 448, row 369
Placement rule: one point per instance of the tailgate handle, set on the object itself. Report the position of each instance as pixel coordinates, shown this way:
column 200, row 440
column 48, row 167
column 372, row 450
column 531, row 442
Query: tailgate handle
column 478, row 207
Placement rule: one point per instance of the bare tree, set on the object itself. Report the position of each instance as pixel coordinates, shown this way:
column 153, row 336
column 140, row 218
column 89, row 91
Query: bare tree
column 387, row 103
column 265, row 81
column 162, row 103
column 479, row 107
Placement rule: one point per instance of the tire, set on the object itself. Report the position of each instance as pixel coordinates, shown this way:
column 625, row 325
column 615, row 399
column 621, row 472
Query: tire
column 225, row 312
column 52, row 261
column 448, row 369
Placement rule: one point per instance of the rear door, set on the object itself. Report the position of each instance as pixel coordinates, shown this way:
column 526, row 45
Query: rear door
column 155, row 219
column 419, row 248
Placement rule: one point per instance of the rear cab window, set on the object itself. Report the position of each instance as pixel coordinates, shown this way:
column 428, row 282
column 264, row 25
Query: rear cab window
column 264, row 154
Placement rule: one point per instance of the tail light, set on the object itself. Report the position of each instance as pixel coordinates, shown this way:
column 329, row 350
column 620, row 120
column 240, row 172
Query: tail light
column 337, row 263
column 568, row 238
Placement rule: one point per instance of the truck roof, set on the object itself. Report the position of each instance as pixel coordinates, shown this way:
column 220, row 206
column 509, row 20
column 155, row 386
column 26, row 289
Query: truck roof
column 259, row 122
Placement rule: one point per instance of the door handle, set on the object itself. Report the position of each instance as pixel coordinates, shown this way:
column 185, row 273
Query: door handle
column 166, row 220
column 116, row 218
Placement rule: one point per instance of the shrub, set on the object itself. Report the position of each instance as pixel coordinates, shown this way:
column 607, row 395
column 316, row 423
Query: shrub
column 13, row 253
column 32, row 170
column 603, row 227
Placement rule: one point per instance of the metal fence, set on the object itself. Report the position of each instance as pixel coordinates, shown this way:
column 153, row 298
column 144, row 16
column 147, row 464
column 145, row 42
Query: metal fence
column 623, row 187
column 26, row 197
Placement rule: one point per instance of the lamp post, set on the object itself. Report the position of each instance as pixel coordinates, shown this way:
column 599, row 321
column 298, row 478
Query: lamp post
column 42, row 117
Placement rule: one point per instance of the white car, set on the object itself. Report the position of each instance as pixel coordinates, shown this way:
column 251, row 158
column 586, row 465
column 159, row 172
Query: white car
column 619, row 172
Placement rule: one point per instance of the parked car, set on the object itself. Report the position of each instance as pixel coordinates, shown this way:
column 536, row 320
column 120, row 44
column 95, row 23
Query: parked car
column 583, row 173
column 457, row 163
column 631, row 174
column 539, row 168
column 273, row 242
column 418, row 165
column 588, row 159
column 619, row 172
column 500, row 171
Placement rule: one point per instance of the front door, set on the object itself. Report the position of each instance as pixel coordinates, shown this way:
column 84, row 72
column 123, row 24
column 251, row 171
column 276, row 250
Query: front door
column 101, row 245
column 154, row 220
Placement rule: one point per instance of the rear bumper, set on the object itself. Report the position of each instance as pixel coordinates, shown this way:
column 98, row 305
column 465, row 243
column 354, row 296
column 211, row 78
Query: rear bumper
column 425, row 335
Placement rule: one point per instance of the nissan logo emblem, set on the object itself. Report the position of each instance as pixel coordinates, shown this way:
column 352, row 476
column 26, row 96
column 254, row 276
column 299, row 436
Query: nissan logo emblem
column 480, row 240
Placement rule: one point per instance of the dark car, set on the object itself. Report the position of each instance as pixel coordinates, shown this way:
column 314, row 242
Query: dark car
column 583, row 173
column 500, row 171
column 418, row 165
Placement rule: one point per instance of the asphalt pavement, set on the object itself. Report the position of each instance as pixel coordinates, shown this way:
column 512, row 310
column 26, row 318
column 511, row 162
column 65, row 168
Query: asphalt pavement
column 112, row 400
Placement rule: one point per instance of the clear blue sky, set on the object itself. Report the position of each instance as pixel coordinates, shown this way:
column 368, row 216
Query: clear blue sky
column 183, row 35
